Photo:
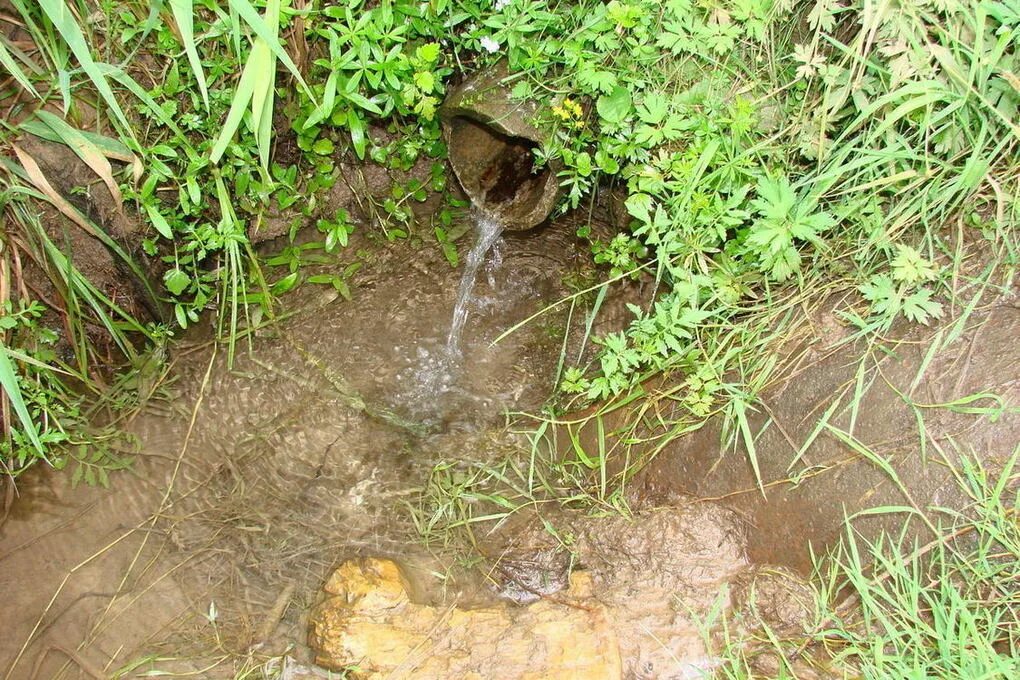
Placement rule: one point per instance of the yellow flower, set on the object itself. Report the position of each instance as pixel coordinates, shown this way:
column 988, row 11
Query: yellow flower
column 569, row 110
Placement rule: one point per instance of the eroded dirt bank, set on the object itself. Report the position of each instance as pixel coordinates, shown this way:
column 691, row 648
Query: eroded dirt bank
column 927, row 397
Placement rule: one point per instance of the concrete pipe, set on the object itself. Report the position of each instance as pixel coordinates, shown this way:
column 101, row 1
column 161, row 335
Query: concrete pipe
column 491, row 140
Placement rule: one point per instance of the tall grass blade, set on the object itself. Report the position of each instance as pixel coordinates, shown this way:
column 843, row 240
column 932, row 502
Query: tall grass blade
column 67, row 25
column 264, row 94
column 9, row 382
column 184, row 16
column 255, row 87
column 7, row 61
column 253, row 69
column 108, row 146
column 740, row 413
column 103, row 307
column 29, row 218
column 143, row 96
column 268, row 34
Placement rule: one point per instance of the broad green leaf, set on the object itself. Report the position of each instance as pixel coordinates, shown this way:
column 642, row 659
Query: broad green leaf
column 615, row 106
column 9, row 382
column 358, row 138
column 159, row 222
column 363, row 101
column 654, row 108
column 639, row 206
column 176, row 281
column 285, row 284
column 325, row 109
column 428, row 53
column 323, row 146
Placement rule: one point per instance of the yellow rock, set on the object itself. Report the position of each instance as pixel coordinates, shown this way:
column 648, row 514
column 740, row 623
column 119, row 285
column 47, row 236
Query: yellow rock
column 369, row 627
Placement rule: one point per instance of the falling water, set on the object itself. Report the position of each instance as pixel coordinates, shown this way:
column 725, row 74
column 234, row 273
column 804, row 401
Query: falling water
column 435, row 372
column 489, row 229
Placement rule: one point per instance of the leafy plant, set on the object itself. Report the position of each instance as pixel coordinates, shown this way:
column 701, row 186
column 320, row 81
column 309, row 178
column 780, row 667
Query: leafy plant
column 784, row 220
column 336, row 230
column 768, row 156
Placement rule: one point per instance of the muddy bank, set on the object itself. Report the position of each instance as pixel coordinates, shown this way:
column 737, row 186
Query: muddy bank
column 926, row 397
column 91, row 225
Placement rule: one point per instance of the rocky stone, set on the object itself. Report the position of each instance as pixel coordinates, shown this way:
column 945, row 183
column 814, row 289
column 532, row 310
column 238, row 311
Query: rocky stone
column 369, row 627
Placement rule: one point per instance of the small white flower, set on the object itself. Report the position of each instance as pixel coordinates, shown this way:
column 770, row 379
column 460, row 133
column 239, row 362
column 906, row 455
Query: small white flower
column 501, row 4
column 489, row 45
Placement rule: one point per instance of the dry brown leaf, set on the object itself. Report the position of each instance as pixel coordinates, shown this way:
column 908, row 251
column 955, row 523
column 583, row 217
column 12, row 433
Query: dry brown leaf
column 38, row 178
column 101, row 166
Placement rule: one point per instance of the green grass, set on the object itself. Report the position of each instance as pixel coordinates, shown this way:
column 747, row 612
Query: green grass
column 772, row 161
column 908, row 605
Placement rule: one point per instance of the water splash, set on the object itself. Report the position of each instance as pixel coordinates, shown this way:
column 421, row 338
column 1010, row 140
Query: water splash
column 432, row 381
column 488, row 229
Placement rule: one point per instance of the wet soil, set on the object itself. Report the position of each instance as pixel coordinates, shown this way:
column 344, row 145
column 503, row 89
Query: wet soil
column 256, row 480
column 929, row 398
column 659, row 573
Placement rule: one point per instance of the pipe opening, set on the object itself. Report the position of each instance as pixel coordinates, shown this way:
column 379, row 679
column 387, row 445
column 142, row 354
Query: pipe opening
column 497, row 170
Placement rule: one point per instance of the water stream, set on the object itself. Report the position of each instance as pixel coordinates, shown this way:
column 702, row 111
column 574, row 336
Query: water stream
column 434, row 378
column 489, row 229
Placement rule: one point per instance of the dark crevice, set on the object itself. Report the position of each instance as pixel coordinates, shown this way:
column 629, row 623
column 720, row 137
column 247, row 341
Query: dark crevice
column 497, row 170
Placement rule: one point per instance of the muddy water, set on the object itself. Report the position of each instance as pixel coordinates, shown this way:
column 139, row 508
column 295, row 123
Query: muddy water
column 254, row 482
column 257, row 479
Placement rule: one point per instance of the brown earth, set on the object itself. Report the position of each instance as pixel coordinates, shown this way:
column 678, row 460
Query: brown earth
column 253, row 482
column 929, row 398
column 302, row 456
